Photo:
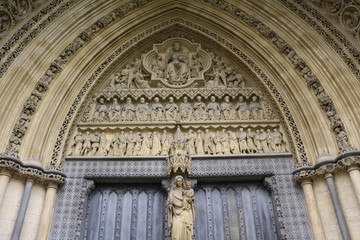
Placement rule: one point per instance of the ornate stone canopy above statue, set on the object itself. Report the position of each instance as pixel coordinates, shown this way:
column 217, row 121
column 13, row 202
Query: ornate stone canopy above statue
column 177, row 63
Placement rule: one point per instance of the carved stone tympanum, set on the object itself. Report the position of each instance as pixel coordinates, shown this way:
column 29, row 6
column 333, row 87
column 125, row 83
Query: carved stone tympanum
column 177, row 100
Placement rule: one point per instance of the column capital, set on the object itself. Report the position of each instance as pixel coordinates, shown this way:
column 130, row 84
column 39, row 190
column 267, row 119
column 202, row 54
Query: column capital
column 5, row 172
column 306, row 181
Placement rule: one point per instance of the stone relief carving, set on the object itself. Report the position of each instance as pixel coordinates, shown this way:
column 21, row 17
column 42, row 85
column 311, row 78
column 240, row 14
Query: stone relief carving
column 191, row 92
column 177, row 63
column 113, row 110
column 231, row 140
column 350, row 17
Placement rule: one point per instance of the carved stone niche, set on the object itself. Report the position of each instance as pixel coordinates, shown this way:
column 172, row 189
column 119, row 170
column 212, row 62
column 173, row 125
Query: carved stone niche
column 177, row 63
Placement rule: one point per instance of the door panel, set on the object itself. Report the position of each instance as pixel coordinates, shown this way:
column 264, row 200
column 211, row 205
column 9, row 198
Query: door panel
column 233, row 210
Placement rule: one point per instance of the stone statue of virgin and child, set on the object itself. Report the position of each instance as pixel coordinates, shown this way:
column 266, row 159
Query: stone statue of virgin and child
column 181, row 210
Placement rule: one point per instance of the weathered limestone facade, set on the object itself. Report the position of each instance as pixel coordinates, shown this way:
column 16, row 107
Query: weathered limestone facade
column 130, row 90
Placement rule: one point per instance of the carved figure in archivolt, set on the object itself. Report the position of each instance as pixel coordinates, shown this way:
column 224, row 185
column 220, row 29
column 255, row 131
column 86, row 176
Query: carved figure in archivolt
column 171, row 110
column 128, row 111
column 342, row 139
column 213, row 109
column 181, row 210
column 186, row 110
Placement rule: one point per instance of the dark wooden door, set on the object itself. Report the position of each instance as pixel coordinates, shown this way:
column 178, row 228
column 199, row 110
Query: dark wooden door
column 126, row 211
column 233, row 210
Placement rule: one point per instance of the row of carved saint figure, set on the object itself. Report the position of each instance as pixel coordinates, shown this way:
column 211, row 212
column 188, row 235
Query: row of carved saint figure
column 156, row 144
column 171, row 112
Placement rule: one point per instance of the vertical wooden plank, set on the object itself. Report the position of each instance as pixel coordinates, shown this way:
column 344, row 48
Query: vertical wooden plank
column 120, row 194
column 223, row 191
column 133, row 218
column 125, row 229
column 209, row 213
column 158, row 216
column 253, row 190
column 240, row 211
column 201, row 223
column 110, row 216
column 249, row 216
column 141, row 216
column 233, row 211
column 266, row 216
column 95, row 212
column 218, row 217
column 150, row 202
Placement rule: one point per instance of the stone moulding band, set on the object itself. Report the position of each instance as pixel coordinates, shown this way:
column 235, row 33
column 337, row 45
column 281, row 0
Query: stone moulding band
column 31, row 171
column 340, row 163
